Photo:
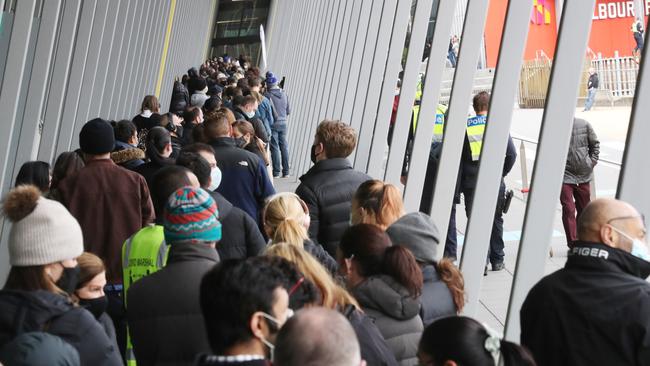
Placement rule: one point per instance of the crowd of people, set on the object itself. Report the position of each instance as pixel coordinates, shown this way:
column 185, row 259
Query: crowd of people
column 162, row 241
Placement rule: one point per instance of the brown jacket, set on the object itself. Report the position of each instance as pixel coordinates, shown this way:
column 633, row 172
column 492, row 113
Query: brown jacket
column 111, row 204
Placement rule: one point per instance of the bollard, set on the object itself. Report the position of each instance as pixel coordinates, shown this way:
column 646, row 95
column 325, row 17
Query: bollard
column 524, row 171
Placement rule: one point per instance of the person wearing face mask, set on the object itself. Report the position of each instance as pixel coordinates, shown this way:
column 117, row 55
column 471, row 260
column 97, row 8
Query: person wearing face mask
column 244, row 110
column 90, row 291
column 242, row 326
column 328, row 187
column 244, row 134
column 145, row 252
column 596, row 310
column 247, row 184
column 165, row 320
column 240, row 236
column 44, row 242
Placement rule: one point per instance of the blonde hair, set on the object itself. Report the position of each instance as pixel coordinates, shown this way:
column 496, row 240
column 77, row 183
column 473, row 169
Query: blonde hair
column 258, row 96
column 333, row 296
column 377, row 203
column 284, row 217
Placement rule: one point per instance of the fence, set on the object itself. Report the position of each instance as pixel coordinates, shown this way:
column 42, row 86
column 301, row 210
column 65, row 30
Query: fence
column 533, row 83
column 617, row 76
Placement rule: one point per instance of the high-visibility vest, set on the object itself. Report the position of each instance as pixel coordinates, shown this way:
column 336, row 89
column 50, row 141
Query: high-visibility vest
column 475, row 131
column 142, row 254
column 439, row 123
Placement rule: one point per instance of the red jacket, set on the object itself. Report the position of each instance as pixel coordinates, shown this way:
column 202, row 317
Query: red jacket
column 111, row 203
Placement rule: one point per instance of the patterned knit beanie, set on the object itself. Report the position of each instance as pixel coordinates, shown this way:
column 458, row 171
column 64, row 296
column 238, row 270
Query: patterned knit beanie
column 191, row 214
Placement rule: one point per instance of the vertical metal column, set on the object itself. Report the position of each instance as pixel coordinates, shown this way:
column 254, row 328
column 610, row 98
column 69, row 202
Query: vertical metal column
column 428, row 104
column 635, row 174
column 456, row 122
column 107, row 49
column 551, row 155
column 407, row 94
column 59, row 81
column 29, row 129
column 73, row 94
column 346, row 62
column 335, row 85
column 90, row 73
column 365, row 68
column 393, row 66
column 312, row 98
column 369, row 116
column 113, row 62
column 124, row 61
column 495, row 141
column 13, row 81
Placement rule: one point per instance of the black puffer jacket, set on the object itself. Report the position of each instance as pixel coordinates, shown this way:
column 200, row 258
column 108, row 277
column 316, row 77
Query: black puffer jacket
column 327, row 189
column 396, row 314
column 240, row 236
column 594, row 311
column 374, row 349
column 45, row 311
column 583, row 153
column 180, row 98
column 165, row 319
column 322, row 256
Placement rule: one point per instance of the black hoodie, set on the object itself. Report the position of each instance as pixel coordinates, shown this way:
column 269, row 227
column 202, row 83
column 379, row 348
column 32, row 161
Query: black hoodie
column 27, row 311
column 594, row 311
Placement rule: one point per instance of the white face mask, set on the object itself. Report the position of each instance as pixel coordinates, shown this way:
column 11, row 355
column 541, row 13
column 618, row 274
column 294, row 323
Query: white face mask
column 250, row 114
column 215, row 175
column 639, row 247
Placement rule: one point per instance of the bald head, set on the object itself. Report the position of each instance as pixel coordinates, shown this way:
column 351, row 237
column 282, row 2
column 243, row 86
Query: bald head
column 602, row 218
column 317, row 337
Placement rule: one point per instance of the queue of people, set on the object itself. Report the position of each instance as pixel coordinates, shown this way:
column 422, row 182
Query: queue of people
column 151, row 247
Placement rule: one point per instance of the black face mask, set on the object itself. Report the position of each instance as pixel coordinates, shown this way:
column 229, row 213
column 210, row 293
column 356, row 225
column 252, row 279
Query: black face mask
column 96, row 306
column 69, row 279
column 179, row 131
column 313, row 154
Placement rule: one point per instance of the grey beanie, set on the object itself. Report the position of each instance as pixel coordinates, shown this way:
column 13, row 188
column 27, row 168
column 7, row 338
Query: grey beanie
column 416, row 232
column 42, row 230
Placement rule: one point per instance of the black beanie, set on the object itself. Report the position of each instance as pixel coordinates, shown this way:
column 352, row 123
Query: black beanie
column 97, row 137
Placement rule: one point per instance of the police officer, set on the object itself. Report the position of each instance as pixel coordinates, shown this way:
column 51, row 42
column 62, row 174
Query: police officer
column 469, row 175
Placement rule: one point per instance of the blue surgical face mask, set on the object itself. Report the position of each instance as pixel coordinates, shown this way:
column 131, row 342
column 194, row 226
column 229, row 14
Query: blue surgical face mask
column 215, row 175
column 639, row 247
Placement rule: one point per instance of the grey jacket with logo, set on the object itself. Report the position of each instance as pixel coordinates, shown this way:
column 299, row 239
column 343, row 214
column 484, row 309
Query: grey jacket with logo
column 584, row 149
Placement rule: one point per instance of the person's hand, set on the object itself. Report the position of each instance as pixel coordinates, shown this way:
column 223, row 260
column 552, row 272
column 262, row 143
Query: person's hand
column 403, row 179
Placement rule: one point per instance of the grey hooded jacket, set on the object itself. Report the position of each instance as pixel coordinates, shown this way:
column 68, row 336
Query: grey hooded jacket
column 583, row 153
column 396, row 314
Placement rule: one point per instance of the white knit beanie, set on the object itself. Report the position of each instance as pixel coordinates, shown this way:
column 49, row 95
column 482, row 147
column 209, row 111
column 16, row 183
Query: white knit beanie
column 43, row 231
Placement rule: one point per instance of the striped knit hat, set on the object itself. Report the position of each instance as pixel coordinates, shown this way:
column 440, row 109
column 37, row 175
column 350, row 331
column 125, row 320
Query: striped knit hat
column 191, row 214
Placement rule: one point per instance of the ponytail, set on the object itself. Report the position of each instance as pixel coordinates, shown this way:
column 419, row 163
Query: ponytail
column 290, row 231
column 157, row 139
column 400, row 264
column 451, row 276
column 379, row 203
column 513, row 354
